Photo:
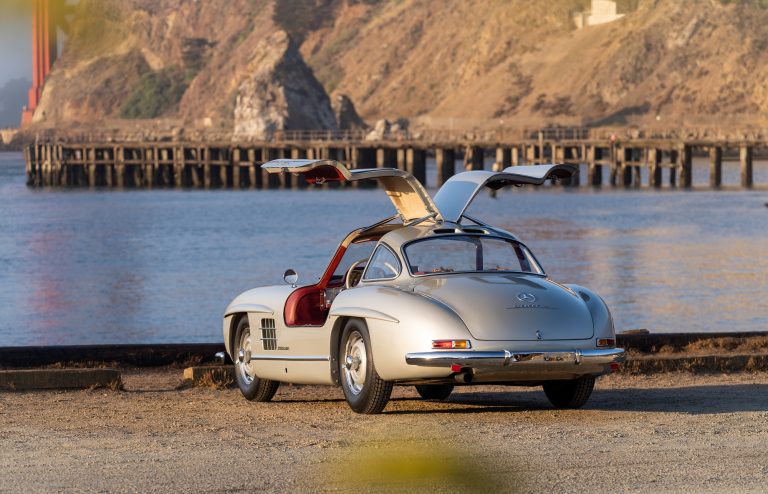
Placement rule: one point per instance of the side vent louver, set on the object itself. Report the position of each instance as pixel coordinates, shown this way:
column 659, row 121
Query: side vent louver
column 268, row 334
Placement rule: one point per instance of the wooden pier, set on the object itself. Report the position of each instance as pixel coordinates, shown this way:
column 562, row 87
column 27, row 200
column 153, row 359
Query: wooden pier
column 231, row 164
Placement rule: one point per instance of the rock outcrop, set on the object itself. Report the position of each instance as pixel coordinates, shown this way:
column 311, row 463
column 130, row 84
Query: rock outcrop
column 346, row 114
column 280, row 93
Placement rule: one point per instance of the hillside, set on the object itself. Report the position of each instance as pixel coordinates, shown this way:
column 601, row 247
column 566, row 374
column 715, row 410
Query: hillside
column 459, row 63
column 525, row 61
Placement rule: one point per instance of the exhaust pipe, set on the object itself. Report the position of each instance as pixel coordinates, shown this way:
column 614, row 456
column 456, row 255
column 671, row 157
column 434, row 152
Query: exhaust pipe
column 464, row 377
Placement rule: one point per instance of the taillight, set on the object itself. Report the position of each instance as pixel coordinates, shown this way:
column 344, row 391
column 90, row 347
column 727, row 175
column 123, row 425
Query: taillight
column 606, row 342
column 451, row 344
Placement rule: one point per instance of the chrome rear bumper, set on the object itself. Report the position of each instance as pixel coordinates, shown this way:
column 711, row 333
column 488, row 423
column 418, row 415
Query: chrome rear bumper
column 504, row 358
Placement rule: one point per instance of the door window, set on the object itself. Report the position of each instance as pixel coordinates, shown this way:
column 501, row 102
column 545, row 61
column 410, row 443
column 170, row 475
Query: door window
column 384, row 265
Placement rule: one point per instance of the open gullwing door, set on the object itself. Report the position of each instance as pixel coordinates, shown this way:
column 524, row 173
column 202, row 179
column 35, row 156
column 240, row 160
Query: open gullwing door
column 455, row 196
column 406, row 193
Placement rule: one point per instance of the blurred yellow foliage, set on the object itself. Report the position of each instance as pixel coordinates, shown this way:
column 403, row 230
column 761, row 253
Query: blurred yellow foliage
column 15, row 8
column 405, row 465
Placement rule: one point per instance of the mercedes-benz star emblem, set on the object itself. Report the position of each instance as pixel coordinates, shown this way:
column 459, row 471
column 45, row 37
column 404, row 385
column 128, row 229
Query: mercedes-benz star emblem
column 526, row 297
column 539, row 335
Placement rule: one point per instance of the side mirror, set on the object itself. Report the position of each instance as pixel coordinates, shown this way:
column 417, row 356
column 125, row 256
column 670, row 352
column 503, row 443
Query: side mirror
column 291, row 277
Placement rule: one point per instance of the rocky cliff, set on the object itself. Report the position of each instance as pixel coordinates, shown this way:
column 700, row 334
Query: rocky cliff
column 254, row 65
column 218, row 63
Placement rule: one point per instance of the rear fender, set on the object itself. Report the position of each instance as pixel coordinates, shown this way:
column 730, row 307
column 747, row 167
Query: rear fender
column 602, row 320
column 402, row 322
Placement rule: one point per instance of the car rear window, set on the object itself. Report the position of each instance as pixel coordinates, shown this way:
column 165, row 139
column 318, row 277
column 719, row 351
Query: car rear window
column 469, row 253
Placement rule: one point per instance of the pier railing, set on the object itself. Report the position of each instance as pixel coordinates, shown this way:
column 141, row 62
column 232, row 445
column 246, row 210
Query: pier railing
column 501, row 135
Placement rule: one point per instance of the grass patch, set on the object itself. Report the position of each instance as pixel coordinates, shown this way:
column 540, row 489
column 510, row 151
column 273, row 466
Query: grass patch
column 327, row 71
column 215, row 379
column 116, row 385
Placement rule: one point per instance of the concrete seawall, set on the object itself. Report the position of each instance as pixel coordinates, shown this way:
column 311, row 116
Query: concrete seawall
column 648, row 353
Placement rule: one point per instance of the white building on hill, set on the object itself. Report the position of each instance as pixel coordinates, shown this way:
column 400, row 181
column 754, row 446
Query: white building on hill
column 602, row 11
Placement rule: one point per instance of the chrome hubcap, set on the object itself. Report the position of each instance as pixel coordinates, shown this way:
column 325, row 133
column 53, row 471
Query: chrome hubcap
column 355, row 363
column 243, row 363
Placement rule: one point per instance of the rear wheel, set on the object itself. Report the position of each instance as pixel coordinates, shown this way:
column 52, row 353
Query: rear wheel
column 572, row 393
column 364, row 390
column 251, row 386
column 435, row 391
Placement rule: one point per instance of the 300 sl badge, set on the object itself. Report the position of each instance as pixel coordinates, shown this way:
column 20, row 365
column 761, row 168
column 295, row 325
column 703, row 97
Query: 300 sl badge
column 424, row 292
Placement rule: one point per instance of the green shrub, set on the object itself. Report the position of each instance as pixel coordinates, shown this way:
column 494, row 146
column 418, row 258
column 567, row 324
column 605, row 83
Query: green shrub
column 157, row 93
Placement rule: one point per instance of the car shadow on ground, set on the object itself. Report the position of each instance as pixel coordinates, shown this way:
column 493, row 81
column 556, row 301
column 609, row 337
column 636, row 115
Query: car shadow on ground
column 697, row 400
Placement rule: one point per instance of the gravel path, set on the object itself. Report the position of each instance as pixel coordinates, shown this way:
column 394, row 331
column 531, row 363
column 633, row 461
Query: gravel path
column 670, row 432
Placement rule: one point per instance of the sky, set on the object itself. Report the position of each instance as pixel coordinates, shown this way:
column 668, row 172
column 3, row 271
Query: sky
column 15, row 47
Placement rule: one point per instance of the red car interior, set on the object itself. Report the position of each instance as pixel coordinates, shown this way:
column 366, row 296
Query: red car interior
column 323, row 174
column 306, row 305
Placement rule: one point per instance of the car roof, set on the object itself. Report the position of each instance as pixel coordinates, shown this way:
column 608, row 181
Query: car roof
column 400, row 236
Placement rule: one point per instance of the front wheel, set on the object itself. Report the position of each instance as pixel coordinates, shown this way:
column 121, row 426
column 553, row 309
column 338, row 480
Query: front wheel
column 364, row 390
column 251, row 386
column 572, row 393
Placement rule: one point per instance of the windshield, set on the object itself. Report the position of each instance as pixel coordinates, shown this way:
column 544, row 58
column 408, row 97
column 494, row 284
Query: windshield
column 354, row 253
column 469, row 253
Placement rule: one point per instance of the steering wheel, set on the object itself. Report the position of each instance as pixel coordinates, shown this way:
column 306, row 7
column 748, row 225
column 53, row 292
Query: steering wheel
column 350, row 280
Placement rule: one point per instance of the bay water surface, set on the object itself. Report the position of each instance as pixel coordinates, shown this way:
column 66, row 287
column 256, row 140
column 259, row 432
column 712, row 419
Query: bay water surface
column 80, row 266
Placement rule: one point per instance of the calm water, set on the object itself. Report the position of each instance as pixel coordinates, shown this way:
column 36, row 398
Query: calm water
column 90, row 267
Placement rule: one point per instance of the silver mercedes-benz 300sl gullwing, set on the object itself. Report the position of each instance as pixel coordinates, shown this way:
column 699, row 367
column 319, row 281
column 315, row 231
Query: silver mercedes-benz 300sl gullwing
column 430, row 297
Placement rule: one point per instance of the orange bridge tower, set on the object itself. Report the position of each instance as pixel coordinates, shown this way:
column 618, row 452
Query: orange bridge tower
column 47, row 17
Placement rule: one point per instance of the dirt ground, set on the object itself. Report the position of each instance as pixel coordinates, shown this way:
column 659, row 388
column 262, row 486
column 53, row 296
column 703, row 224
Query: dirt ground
column 668, row 432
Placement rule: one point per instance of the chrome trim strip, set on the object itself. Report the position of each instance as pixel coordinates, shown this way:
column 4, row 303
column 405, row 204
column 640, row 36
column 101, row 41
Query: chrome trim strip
column 474, row 220
column 379, row 223
column 293, row 358
column 362, row 312
column 506, row 358
column 419, row 220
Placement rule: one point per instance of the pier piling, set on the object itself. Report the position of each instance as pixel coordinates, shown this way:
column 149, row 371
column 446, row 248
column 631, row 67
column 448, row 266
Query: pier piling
column 474, row 158
column 715, row 166
column 654, row 167
column 745, row 158
column 445, row 159
column 416, row 164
